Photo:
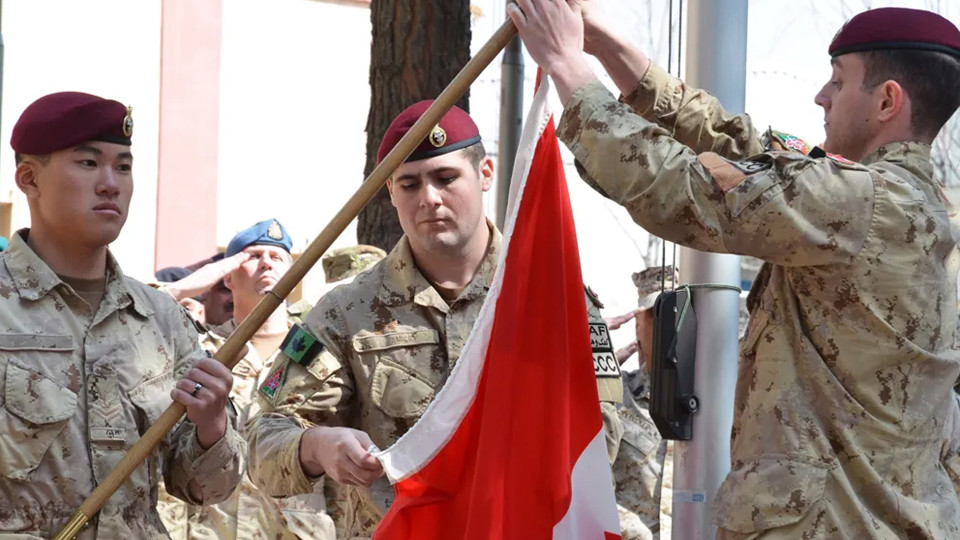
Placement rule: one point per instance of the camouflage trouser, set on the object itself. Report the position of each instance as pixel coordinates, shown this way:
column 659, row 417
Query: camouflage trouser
column 632, row 527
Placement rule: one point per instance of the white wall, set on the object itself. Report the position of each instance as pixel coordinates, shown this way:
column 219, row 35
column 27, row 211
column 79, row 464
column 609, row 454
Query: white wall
column 294, row 96
column 110, row 48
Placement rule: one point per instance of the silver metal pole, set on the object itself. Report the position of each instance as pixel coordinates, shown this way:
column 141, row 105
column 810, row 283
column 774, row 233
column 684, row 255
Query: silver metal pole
column 715, row 61
column 511, row 122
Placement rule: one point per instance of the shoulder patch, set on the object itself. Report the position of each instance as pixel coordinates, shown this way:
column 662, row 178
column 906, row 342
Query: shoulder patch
column 274, row 381
column 785, row 141
column 604, row 357
column 300, row 346
column 729, row 174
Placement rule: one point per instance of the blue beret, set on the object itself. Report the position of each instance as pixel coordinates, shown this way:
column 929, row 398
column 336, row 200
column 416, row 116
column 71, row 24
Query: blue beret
column 3, row 243
column 266, row 233
column 66, row 119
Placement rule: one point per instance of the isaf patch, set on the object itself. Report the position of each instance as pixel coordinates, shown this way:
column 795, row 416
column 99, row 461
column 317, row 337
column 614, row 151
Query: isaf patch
column 300, row 346
column 604, row 358
column 273, row 383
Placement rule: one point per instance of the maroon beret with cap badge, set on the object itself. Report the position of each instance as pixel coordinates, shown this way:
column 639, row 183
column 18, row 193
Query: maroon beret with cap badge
column 456, row 130
column 896, row 28
column 66, row 119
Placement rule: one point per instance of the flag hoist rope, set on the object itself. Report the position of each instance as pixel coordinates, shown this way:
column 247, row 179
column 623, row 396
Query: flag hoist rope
column 229, row 353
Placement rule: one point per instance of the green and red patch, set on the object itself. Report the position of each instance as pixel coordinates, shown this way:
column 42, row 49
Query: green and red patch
column 274, row 382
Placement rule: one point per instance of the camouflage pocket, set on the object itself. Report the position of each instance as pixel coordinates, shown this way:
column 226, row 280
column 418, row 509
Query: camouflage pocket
column 36, row 410
column 398, row 392
column 152, row 398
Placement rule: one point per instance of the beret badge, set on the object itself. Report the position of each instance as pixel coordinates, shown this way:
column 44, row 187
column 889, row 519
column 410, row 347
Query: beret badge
column 274, row 231
column 128, row 122
column 438, row 137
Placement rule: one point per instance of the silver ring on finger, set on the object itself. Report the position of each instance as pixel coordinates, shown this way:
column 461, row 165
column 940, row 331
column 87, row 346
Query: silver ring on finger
column 196, row 388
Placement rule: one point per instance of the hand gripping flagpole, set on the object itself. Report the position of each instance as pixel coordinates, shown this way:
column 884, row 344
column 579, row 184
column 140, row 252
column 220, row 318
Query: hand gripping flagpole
column 229, row 353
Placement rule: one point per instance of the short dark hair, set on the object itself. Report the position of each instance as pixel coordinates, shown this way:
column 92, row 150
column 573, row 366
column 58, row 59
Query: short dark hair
column 476, row 153
column 18, row 157
column 930, row 78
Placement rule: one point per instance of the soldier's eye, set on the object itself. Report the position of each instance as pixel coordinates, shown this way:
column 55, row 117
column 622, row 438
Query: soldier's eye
column 87, row 163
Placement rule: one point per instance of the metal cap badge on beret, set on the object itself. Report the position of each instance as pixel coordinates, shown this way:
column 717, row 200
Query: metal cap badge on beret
column 648, row 283
column 896, row 28
column 456, row 130
column 265, row 233
column 347, row 262
column 66, row 119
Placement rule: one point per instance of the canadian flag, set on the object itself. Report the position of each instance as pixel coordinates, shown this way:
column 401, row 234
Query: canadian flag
column 513, row 446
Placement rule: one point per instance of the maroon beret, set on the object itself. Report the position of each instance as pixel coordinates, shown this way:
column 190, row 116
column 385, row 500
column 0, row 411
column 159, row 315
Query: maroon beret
column 66, row 119
column 896, row 28
column 456, row 130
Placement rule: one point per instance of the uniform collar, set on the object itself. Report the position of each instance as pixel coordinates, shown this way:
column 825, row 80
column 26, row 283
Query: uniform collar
column 899, row 151
column 403, row 282
column 34, row 279
column 251, row 364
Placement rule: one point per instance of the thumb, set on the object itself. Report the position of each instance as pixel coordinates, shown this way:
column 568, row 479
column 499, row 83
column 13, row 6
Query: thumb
column 357, row 450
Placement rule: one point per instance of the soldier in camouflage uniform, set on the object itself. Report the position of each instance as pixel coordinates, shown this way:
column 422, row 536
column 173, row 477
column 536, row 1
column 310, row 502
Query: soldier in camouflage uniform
column 375, row 352
column 606, row 366
column 89, row 358
column 638, row 469
column 341, row 266
column 263, row 255
column 844, row 388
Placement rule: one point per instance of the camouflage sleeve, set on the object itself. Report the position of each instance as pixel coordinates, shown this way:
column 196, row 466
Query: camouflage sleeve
column 692, row 116
column 782, row 207
column 950, row 454
column 217, row 469
column 612, row 428
column 298, row 394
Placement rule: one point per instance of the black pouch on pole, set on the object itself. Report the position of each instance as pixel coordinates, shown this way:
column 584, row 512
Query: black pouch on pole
column 672, row 399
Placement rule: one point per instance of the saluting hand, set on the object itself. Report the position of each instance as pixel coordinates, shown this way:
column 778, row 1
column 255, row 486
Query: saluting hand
column 205, row 277
column 342, row 453
column 616, row 322
column 204, row 391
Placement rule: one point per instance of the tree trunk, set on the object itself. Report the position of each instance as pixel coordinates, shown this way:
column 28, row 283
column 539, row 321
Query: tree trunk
column 418, row 47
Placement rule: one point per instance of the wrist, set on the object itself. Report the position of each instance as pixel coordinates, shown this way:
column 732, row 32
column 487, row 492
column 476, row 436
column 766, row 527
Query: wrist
column 308, row 441
column 570, row 73
column 209, row 433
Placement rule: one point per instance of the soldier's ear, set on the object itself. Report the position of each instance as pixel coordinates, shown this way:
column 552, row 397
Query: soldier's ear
column 486, row 173
column 390, row 191
column 26, row 178
column 892, row 101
